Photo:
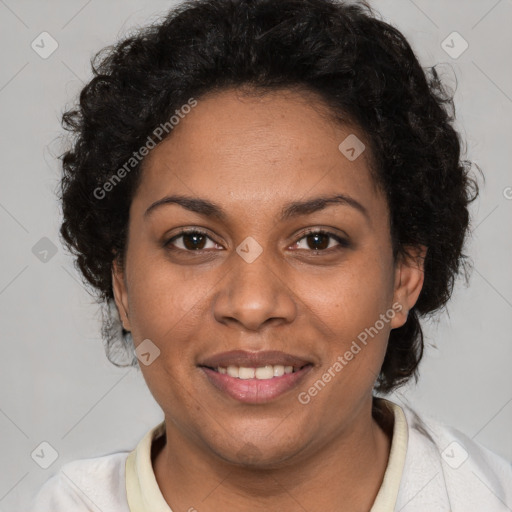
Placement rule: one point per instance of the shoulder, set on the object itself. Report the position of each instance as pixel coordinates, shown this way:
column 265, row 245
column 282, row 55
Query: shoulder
column 447, row 469
column 85, row 485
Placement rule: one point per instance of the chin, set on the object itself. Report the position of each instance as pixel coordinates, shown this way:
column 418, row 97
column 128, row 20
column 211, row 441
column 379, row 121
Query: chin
column 263, row 453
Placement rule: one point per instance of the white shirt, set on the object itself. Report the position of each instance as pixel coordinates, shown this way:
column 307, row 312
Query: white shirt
column 431, row 468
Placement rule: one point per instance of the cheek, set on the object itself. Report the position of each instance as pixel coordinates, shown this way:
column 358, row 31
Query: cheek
column 348, row 308
column 166, row 307
column 164, row 297
column 352, row 297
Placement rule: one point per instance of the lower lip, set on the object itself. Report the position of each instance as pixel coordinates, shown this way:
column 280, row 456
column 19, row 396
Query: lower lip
column 255, row 391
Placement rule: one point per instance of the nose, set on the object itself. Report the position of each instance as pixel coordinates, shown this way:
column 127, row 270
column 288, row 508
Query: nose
column 254, row 294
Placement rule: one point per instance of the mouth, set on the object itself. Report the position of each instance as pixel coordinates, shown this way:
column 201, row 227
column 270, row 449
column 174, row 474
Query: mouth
column 255, row 377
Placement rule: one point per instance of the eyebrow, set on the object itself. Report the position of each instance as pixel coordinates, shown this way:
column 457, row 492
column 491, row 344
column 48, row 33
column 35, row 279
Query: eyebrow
column 292, row 209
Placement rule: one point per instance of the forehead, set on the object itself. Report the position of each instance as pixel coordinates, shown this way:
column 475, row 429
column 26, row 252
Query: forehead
column 260, row 149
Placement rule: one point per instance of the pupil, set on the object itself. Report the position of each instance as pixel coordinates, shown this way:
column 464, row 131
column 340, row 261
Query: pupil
column 316, row 236
column 196, row 237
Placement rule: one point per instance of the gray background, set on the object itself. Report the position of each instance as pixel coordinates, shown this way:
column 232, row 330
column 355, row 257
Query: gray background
column 56, row 383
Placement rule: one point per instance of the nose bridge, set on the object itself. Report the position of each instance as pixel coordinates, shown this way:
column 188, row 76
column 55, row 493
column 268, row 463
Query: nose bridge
column 253, row 291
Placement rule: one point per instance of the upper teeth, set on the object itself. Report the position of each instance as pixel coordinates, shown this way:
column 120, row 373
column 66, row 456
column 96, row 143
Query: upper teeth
column 263, row 372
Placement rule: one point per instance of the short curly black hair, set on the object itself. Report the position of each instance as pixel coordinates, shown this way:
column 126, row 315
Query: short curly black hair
column 362, row 68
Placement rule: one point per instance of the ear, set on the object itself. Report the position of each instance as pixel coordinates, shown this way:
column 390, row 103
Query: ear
column 409, row 276
column 120, row 293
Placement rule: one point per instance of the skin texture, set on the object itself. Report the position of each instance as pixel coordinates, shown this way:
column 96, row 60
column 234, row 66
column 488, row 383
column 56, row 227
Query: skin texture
column 252, row 155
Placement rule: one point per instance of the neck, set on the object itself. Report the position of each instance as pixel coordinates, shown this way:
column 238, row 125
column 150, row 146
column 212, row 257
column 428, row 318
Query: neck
column 345, row 473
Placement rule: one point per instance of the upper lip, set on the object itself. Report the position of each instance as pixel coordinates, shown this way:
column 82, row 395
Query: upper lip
column 253, row 359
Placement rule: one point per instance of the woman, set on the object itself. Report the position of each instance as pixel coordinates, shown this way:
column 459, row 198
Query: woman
column 272, row 194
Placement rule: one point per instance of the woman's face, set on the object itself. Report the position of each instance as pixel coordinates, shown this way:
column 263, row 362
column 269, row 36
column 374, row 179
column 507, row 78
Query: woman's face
column 258, row 281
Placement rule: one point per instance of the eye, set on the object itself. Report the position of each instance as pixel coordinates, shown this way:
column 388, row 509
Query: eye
column 320, row 240
column 192, row 240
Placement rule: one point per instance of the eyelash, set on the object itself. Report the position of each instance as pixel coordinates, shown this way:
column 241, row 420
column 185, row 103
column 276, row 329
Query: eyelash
column 343, row 243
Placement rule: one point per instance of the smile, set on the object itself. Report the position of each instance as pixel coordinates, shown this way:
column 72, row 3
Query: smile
column 255, row 385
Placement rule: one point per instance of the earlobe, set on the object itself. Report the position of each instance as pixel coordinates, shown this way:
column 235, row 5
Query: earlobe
column 120, row 294
column 409, row 277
